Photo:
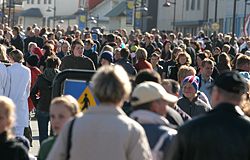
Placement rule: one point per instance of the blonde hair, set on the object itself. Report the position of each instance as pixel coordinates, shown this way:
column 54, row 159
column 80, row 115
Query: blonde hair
column 8, row 105
column 3, row 55
column 183, row 72
column 69, row 102
column 30, row 44
column 17, row 55
column 141, row 53
column 111, row 84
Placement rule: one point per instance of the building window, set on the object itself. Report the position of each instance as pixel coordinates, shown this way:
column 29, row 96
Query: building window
column 28, row 1
column 49, row 1
column 221, row 23
column 193, row 5
column 38, row 1
column 21, row 20
column 44, row 21
column 187, row 5
column 32, row 1
column 45, row 1
column 198, row 4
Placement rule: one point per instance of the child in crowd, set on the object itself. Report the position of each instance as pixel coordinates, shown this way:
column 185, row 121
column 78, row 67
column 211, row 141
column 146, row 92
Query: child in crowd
column 10, row 148
column 61, row 110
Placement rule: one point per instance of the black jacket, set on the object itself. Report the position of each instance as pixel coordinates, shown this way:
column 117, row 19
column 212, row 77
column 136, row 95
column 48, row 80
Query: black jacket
column 221, row 134
column 45, row 88
column 12, row 149
column 190, row 50
column 18, row 42
column 129, row 68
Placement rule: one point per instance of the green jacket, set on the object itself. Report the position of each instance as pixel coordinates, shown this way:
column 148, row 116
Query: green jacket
column 45, row 147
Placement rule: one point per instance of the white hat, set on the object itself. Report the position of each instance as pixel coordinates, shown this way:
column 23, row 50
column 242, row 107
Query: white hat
column 150, row 91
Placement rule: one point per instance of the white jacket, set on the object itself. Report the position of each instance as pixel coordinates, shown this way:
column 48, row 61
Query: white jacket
column 18, row 89
column 3, row 78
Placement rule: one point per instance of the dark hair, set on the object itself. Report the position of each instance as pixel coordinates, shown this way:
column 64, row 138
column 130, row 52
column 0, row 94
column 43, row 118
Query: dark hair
column 52, row 62
column 90, row 41
column 10, row 49
column 51, row 34
column 111, row 37
column 175, row 85
column 125, row 52
column 16, row 28
column 147, row 75
column 48, row 50
column 145, row 106
column 155, row 55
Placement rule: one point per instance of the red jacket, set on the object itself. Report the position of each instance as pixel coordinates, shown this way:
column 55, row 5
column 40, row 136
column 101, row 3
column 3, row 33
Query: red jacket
column 34, row 74
column 143, row 64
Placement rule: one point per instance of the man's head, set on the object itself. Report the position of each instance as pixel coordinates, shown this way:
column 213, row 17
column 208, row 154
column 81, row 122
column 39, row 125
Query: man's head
column 125, row 52
column 190, row 87
column 228, row 87
column 185, row 71
column 16, row 30
column 243, row 63
column 110, row 37
column 147, row 75
column 51, row 36
column 207, row 67
column 171, row 86
column 151, row 96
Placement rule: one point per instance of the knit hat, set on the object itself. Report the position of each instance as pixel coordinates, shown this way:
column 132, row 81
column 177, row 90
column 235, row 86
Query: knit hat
column 108, row 56
column 134, row 48
column 33, row 60
column 194, row 80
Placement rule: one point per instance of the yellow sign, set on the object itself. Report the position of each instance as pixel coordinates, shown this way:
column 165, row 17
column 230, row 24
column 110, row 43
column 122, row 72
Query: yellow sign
column 207, row 27
column 83, row 18
column 130, row 5
column 215, row 26
column 138, row 15
column 86, row 100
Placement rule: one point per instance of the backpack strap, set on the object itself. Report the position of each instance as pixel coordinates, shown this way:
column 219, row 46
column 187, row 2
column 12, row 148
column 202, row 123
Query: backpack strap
column 138, row 67
column 69, row 138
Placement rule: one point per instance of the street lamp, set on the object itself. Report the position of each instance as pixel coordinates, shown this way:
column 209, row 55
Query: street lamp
column 95, row 19
column 168, row 4
column 54, row 16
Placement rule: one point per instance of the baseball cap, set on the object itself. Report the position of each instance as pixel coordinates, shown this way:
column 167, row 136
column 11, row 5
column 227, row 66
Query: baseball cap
column 231, row 81
column 150, row 91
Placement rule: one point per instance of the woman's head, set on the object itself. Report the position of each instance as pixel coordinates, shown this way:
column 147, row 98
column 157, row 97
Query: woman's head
column 183, row 59
column 61, row 110
column 224, row 59
column 117, row 53
column 111, row 84
column 31, row 46
column 16, row 56
column 175, row 53
column 48, row 50
column 201, row 57
column 185, row 71
column 53, row 62
column 7, row 112
column 3, row 55
column 141, row 53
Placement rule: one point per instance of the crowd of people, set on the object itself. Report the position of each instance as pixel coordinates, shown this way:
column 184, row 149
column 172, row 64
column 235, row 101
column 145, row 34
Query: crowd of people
column 162, row 96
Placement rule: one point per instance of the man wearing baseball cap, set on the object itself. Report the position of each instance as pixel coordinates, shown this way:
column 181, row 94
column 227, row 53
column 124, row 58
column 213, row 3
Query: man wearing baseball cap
column 149, row 100
column 222, row 133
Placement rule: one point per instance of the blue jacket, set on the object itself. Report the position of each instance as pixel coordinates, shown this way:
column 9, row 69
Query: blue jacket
column 157, row 129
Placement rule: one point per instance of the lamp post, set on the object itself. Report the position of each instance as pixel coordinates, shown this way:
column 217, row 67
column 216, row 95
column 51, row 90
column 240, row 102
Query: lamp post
column 234, row 15
column 215, row 20
column 95, row 19
column 54, row 16
column 3, row 13
column 247, row 2
column 168, row 4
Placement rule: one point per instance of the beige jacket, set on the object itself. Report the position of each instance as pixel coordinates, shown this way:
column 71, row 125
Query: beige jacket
column 103, row 133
